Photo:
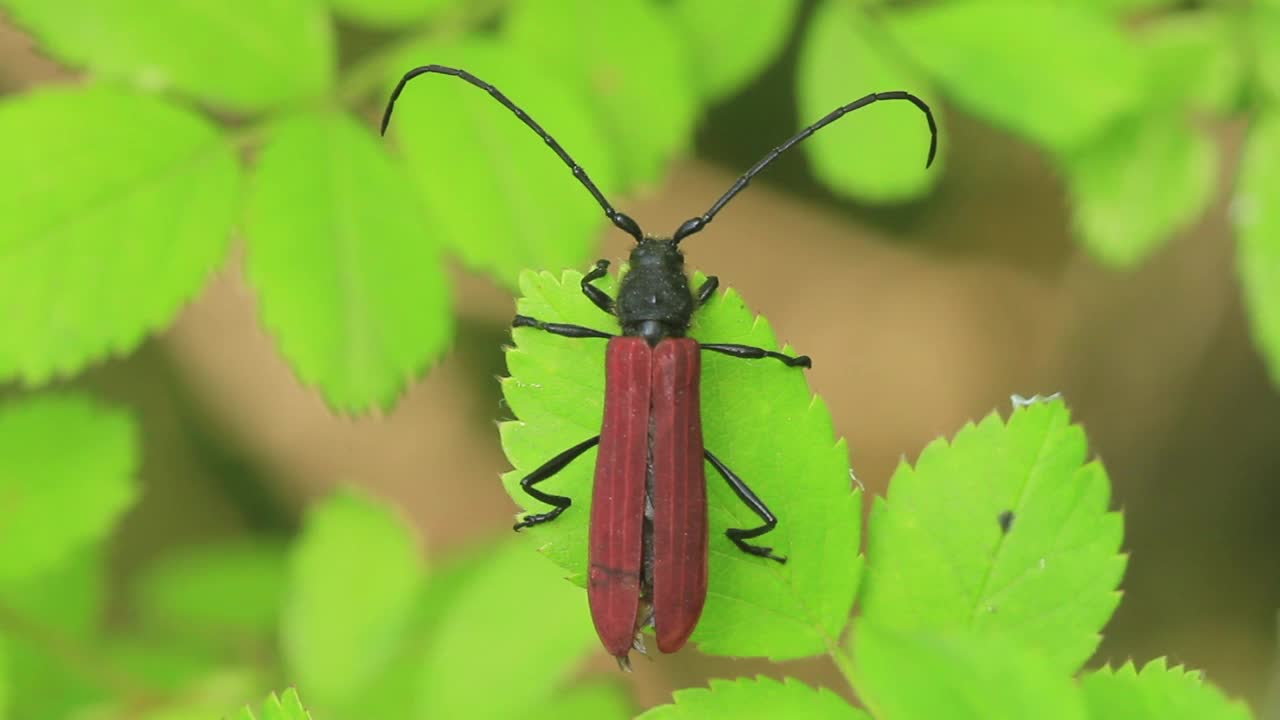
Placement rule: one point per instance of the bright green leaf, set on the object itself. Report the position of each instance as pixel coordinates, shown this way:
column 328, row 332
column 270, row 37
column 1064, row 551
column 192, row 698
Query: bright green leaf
column 4, row 681
column 1031, row 67
column 1256, row 213
column 762, row 697
column 161, row 663
column 286, row 707
column 727, row 55
column 1127, row 7
column 1157, row 693
column 204, row 698
column 957, row 676
column 598, row 701
column 1193, row 59
column 759, row 417
column 1264, row 24
column 353, row 579
column 245, row 56
column 391, row 14
column 496, row 194
column 187, row 590
column 508, row 638
column 114, row 209
column 877, row 153
column 66, row 477
column 939, row 559
column 350, row 280
column 629, row 61
column 1146, row 179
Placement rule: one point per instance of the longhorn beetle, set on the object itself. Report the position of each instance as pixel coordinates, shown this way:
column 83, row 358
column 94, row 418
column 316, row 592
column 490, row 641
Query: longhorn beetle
column 647, row 545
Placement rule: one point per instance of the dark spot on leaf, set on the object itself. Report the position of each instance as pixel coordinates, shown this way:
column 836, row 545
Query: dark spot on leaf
column 1006, row 521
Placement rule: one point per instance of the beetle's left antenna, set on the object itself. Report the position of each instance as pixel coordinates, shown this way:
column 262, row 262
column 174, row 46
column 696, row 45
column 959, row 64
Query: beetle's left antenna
column 694, row 224
column 621, row 220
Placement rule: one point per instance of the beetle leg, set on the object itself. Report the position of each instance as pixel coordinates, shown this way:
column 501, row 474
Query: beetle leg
column 546, row 470
column 739, row 536
column 595, row 294
column 573, row 331
column 708, row 288
column 754, row 353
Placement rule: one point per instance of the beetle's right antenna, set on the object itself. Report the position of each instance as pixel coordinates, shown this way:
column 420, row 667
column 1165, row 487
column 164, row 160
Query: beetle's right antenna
column 621, row 220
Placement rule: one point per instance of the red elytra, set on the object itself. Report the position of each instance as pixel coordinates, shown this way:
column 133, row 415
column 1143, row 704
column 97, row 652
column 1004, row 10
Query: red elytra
column 650, row 445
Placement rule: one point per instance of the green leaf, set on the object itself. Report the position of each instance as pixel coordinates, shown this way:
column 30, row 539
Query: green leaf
column 244, row 56
column 206, row 697
column 629, row 61
column 390, row 14
column 354, row 576
column 513, row 619
column 1147, row 178
column 1157, row 693
column 727, row 55
column 938, row 557
column 877, row 153
column 286, row 707
column 958, row 676
column 759, row 698
column 187, row 590
column 496, row 194
column 350, row 282
column 1264, row 23
column 114, row 209
column 1127, row 7
column 759, row 417
column 1031, row 67
column 1193, row 60
column 1256, row 214
column 4, row 680
column 597, row 701
column 66, row 477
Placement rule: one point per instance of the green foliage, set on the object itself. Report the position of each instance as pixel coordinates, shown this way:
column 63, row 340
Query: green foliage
column 874, row 154
column 778, row 438
column 357, row 317
column 353, row 578
column 54, row 503
column 1257, row 221
column 114, row 208
column 389, row 13
column 726, row 55
column 939, row 558
column 959, row 676
column 286, row 707
column 1157, row 692
column 762, row 697
column 245, row 56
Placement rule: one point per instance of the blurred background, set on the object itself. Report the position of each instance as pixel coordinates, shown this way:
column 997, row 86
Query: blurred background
column 1101, row 191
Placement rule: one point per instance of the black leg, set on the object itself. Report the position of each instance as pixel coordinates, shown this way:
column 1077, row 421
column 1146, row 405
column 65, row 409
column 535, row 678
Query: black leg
column 755, row 353
column 596, row 295
column 708, row 288
column 573, row 331
column 739, row 536
column 549, row 468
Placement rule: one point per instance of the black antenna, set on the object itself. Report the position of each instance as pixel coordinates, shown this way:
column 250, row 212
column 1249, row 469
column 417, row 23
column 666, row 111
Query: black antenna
column 622, row 221
column 693, row 225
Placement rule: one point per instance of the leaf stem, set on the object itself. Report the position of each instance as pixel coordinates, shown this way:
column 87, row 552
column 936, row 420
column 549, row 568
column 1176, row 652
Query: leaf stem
column 80, row 659
column 844, row 663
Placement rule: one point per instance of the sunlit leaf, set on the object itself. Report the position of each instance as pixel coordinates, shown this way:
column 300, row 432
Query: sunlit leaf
column 878, row 153
column 245, row 56
column 496, row 195
column 729, row 43
column 353, row 579
column 1256, row 212
column 350, row 278
column 1031, row 67
column 1158, row 692
column 1264, row 25
column 1193, row 59
column 66, row 476
column 1146, row 179
column 114, row 209
column 957, row 676
column 631, row 63
column 1002, row 531
column 285, row 707
column 759, row 698
column 759, row 417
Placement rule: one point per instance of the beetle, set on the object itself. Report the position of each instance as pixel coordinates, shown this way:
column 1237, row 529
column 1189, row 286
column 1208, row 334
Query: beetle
column 647, row 544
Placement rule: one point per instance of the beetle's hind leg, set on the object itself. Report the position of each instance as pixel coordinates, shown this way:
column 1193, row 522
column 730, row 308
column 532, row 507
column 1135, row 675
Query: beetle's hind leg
column 739, row 536
column 560, row 503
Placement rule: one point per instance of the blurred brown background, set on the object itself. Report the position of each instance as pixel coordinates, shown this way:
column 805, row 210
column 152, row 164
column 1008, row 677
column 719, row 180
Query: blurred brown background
column 919, row 319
